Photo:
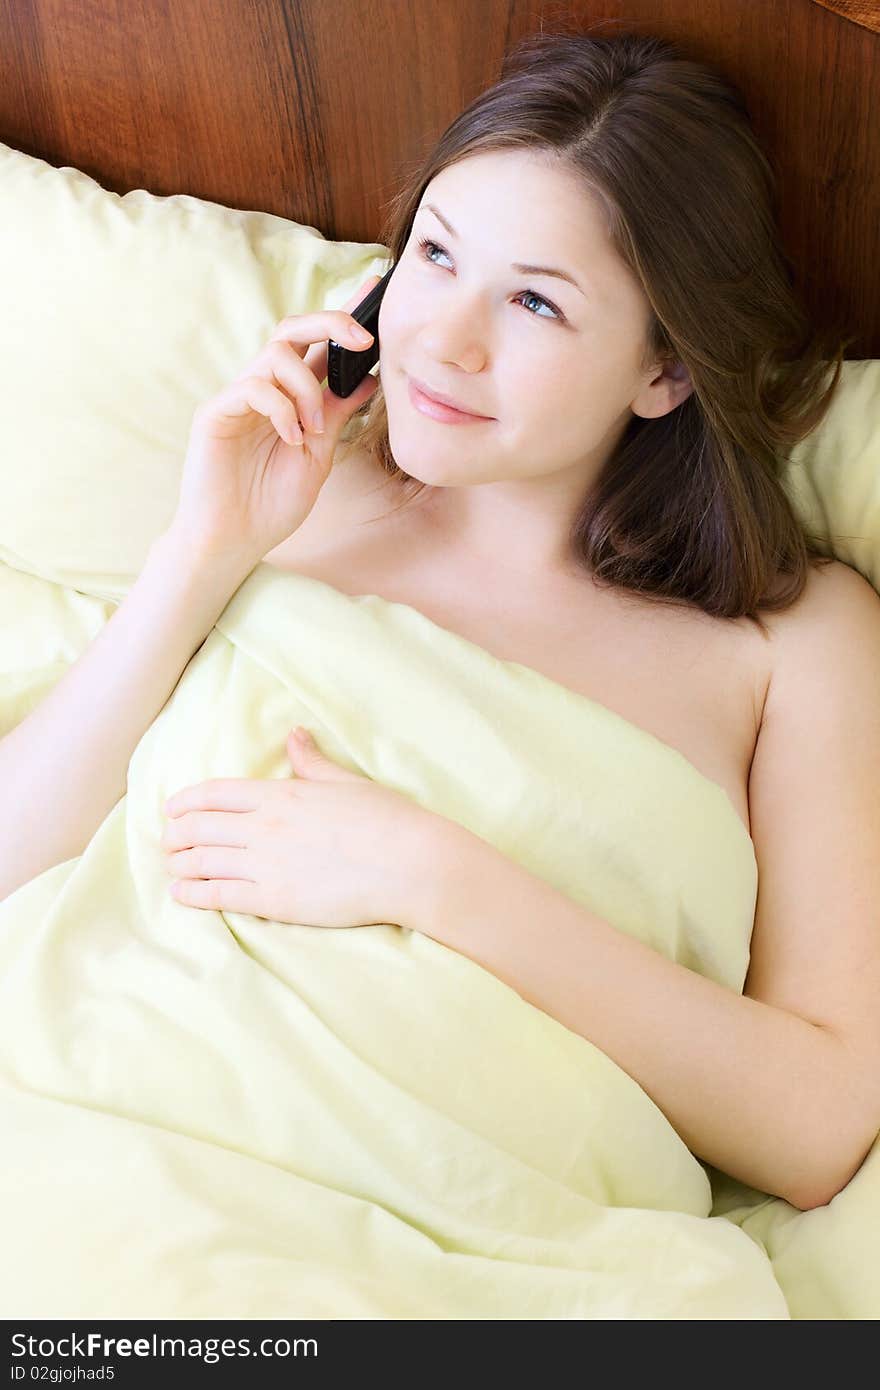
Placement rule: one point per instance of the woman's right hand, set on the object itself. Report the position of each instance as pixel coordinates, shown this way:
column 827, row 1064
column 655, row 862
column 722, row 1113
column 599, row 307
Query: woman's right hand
column 255, row 462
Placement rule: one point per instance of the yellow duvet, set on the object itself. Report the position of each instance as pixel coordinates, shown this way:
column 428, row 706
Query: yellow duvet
column 209, row 1114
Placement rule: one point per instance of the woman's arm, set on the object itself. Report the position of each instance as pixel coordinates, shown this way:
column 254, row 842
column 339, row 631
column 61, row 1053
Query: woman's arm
column 761, row 1094
column 63, row 768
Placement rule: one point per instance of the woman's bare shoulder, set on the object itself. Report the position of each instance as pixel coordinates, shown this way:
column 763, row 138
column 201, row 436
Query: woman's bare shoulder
column 829, row 589
column 836, row 604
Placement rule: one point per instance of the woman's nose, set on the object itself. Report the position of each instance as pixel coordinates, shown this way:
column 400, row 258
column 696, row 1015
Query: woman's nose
column 454, row 338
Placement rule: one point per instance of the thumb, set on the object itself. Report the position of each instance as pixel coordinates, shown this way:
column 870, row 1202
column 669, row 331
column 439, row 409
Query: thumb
column 339, row 409
column 308, row 761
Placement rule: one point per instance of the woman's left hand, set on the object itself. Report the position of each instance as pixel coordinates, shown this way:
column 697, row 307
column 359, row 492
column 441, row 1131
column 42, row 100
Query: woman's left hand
column 327, row 848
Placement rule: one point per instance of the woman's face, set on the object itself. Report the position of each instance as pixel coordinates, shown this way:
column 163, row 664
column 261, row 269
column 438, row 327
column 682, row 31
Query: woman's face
column 555, row 365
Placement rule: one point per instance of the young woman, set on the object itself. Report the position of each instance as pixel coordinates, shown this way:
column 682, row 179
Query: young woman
column 588, row 270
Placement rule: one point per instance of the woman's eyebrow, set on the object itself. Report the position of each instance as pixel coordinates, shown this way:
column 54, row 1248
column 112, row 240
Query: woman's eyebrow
column 523, row 269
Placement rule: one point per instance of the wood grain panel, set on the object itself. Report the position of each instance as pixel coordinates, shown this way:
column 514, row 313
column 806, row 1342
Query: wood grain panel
column 865, row 12
column 311, row 108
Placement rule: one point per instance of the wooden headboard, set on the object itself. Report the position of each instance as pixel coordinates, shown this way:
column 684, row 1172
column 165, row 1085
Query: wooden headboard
column 308, row 108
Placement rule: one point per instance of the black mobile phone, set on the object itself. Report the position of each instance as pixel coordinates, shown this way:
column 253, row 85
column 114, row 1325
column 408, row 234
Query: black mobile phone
column 346, row 367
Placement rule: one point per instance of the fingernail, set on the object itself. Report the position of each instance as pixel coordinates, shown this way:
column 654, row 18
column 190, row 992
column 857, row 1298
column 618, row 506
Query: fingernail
column 318, row 422
column 362, row 335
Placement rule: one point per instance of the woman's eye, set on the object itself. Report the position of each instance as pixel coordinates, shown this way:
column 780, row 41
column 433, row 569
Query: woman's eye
column 426, row 247
column 527, row 294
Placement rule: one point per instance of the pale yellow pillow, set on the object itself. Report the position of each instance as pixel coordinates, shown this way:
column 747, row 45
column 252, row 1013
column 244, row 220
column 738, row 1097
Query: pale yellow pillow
column 833, row 476
column 120, row 314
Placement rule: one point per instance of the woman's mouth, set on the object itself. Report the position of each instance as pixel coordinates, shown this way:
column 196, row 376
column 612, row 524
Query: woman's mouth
column 444, row 414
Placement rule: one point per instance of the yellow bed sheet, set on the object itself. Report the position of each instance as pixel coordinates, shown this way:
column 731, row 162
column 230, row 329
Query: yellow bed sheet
column 209, row 1114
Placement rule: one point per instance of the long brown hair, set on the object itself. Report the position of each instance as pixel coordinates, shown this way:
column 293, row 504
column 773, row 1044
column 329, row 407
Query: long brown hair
column 689, row 508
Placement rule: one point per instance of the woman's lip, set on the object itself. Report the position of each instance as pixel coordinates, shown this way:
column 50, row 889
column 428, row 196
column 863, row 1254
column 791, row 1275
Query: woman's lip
column 445, row 414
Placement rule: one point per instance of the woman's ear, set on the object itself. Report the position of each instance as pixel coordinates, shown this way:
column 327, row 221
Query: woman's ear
column 669, row 384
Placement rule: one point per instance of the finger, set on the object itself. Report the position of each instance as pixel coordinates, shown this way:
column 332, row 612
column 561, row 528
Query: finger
column 208, row 861
column 205, row 828
column 299, row 382
column 317, row 359
column 315, row 330
column 321, row 328
column 317, row 409
column 344, row 314
column 219, row 794
column 219, row 895
column 336, row 410
column 342, row 327
column 255, row 393
column 303, row 330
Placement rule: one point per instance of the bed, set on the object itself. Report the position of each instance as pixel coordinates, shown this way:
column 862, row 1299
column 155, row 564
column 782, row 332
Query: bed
column 172, row 184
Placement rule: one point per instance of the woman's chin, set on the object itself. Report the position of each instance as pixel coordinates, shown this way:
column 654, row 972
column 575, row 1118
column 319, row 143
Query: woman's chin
column 434, row 467
column 442, row 475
